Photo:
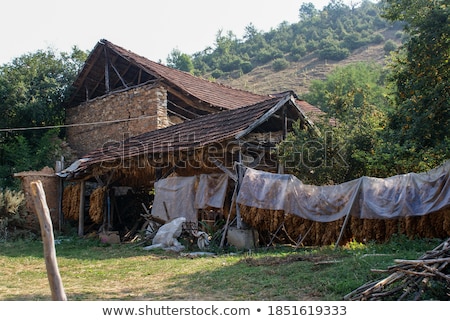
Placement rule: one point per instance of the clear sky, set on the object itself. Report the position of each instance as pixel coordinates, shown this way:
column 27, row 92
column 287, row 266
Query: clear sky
column 147, row 27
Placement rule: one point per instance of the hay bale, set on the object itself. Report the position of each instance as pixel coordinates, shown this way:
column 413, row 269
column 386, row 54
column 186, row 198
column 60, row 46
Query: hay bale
column 434, row 225
column 446, row 221
column 71, row 201
column 96, row 204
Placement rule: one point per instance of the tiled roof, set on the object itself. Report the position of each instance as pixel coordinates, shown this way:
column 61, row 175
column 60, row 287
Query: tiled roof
column 196, row 133
column 214, row 94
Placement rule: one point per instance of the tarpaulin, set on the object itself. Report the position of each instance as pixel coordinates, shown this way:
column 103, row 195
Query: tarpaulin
column 211, row 191
column 182, row 196
column 176, row 196
column 367, row 197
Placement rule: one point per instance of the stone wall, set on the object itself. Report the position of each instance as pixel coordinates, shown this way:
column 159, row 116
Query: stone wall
column 144, row 108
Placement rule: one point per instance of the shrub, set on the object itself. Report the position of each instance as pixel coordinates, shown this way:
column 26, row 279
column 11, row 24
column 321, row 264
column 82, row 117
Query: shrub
column 334, row 53
column 246, row 67
column 377, row 38
column 12, row 205
column 217, row 73
column 389, row 46
column 267, row 54
column 280, row 64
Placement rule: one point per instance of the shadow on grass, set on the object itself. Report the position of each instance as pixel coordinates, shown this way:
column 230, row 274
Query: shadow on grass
column 72, row 248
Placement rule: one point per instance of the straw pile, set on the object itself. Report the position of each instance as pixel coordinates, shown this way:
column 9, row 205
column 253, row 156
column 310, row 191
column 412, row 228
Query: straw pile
column 71, row 201
column 296, row 230
column 96, row 204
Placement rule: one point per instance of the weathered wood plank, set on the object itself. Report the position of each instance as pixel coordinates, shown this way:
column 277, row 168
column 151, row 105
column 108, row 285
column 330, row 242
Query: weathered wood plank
column 43, row 213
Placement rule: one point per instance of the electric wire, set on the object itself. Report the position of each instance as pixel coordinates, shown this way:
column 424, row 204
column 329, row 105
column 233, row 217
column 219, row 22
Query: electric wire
column 75, row 125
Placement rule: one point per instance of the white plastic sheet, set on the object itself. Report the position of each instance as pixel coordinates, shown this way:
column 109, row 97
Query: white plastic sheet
column 176, row 195
column 166, row 237
column 182, row 196
column 211, row 190
column 367, row 197
column 413, row 194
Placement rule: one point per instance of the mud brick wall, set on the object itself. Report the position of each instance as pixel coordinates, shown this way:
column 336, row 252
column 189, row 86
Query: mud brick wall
column 146, row 103
column 50, row 183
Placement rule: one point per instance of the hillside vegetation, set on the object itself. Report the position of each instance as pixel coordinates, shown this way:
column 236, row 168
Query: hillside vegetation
column 299, row 75
column 391, row 120
column 290, row 56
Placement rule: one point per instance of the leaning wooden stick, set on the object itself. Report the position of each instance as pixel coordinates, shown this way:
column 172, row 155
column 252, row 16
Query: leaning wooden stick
column 43, row 213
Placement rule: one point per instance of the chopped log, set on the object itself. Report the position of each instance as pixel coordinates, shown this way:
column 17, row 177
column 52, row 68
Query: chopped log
column 43, row 213
column 421, row 262
column 409, row 279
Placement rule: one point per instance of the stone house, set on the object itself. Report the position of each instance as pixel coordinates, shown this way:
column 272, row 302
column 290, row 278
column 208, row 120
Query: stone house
column 134, row 122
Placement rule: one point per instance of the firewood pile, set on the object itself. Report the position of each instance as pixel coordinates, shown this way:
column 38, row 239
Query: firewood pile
column 410, row 279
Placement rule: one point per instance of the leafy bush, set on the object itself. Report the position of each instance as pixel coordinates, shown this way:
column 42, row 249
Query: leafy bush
column 334, row 53
column 246, row 67
column 377, row 38
column 267, row 54
column 389, row 46
column 353, row 41
column 280, row 64
column 12, row 208
column 217, row 73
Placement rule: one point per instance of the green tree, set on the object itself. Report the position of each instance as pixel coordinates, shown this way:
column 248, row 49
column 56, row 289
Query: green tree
column 33, row 89
column 354, row 99
column 307, row 11
column 355, row 77
column 280, row 64
column 389, row 46
column 419, row 127
column 180, row 61
column 331, row 33
column 332, row 49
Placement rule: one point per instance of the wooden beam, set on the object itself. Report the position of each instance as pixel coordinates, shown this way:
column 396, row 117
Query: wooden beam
column 81, row 209
column 85, row 71
column 264, row 117
column 139, row 76
column 285, row 122
column 194, row 102
column 107, row 87
column 224, row 169
column 178, row 110
column 284, row 129
column 119, row 75
column 240, row 176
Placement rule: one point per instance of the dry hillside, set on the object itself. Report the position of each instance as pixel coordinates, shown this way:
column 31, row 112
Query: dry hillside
column 299, row 75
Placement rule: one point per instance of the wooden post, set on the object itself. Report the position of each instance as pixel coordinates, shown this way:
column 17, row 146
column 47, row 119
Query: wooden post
column 81, row 210
column 352, row 201
column 59, row 166
column 284, row 126
column 107, row 85
column 225, row 229
column 239, row 175
column 43, row 213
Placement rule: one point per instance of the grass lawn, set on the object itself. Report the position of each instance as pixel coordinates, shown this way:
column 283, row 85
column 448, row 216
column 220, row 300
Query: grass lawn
column 94, row 271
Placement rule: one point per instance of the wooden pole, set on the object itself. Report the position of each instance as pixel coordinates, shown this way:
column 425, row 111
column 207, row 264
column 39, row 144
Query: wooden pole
column 352, row 202
column 107, row 86
column 81, row 210
column 43, row 213
column 225, row 229
column 59, row 166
